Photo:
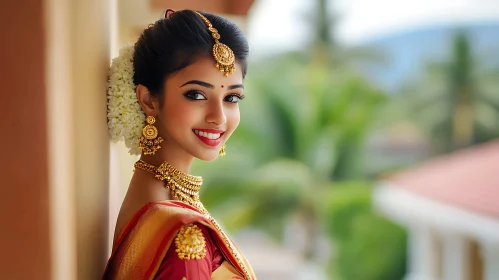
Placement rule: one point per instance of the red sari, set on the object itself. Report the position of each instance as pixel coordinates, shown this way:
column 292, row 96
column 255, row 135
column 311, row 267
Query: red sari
column 145, row 249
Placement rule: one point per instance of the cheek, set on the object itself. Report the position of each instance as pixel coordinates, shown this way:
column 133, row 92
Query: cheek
column 179, row 115
column 233, row 117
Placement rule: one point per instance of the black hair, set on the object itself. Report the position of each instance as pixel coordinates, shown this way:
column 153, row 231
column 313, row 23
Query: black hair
column 173, row 43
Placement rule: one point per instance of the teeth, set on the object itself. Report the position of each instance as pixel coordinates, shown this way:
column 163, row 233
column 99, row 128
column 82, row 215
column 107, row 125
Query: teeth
column 207, row 135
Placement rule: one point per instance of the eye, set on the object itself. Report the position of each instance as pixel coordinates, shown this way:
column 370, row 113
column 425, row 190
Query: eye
column 194, row 95
column 234, row 98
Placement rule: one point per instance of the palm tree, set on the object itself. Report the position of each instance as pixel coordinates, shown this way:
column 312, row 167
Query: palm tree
column 457, row 100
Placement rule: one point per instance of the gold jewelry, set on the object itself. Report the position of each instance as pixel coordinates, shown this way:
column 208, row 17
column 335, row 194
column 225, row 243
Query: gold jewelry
column 222, row 151
column 149, row 141
column 190, row 243
column 185, row 188
column 223, row 55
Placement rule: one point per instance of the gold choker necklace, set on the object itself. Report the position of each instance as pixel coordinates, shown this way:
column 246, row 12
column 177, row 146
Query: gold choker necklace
column 183, row 187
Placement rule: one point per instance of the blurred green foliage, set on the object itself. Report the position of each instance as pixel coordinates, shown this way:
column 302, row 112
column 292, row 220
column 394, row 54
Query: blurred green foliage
column 368, row 246
column 299, row 152
column 303, row 126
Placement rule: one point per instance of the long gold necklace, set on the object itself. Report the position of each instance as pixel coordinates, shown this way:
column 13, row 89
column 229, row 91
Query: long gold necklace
column 185, row 188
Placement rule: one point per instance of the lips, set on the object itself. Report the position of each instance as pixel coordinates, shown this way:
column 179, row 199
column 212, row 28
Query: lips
column 211, row 137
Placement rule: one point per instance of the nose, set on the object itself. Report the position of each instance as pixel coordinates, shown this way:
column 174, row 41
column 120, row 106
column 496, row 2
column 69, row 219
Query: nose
column 216, row 114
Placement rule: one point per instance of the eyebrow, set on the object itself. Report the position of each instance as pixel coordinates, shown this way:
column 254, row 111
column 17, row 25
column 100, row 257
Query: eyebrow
column 236, row 86
column 208, row 85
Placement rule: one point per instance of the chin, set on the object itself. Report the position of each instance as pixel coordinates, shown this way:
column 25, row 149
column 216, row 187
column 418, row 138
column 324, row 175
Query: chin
column 207, row 156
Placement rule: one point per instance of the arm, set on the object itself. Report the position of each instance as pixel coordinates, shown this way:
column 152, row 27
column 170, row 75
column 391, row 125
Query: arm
column 191, row 255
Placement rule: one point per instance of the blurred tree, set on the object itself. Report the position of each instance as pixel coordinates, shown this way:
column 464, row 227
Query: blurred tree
column 304, row 130
column 324, row 48
column 457, row 101
column 303, row 125
column 369, row 247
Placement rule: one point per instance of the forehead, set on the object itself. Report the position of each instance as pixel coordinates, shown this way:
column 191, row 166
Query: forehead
column 204, row 69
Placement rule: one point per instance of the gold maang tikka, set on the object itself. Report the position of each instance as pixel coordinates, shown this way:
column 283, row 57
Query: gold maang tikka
column 223, row 55
column 149, row 142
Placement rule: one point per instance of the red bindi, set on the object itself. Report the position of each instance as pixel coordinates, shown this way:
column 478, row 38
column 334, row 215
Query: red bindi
column 222, row 86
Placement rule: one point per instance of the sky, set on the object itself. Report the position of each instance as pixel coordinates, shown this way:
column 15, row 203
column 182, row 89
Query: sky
column 282, row 24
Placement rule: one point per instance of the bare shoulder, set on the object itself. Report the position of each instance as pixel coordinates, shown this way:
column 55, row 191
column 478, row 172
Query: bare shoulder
column 127, row 211
column 139, row 193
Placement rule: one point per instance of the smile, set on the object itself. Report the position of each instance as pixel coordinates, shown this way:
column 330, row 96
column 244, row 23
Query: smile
column 210, row 137
column 207, row 134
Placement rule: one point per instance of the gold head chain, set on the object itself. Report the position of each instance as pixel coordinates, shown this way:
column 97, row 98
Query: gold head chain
column 223, row 55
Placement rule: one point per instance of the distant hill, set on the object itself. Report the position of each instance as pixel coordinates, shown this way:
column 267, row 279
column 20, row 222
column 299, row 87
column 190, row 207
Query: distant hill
column 408, row 51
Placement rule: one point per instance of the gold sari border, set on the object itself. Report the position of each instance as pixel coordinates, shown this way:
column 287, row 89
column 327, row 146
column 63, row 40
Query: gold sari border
column 155, row 225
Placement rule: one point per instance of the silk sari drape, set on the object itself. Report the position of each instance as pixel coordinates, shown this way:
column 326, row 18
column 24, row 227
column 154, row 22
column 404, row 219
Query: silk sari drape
column 140, row 248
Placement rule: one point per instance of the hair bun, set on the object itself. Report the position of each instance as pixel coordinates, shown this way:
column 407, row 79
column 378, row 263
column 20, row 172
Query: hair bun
column 168, row 13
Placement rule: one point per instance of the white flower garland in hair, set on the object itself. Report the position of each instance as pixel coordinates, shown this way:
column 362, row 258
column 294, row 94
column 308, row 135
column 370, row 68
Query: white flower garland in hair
column 125, row 117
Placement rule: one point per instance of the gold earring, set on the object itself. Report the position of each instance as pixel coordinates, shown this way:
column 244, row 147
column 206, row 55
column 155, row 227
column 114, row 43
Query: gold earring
column 222, row 151
column 149, row 141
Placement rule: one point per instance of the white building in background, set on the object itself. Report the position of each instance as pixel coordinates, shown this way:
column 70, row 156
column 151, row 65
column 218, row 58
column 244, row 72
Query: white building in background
column 450, row 207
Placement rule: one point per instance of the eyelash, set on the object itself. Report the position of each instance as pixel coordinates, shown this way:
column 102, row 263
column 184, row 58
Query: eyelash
column 238, row 96
column 189, row 95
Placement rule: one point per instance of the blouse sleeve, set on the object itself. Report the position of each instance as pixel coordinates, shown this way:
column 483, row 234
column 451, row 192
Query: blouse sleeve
column 192, row 255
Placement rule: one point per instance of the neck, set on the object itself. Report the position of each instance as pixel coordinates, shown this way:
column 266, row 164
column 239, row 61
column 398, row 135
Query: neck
column 175, row 156
column 183, row 187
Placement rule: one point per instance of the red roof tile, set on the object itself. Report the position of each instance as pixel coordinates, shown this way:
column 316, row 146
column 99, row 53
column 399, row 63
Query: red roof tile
column 468, row 178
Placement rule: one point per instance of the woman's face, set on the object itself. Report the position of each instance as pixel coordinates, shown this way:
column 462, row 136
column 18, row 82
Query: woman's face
column 200, row 109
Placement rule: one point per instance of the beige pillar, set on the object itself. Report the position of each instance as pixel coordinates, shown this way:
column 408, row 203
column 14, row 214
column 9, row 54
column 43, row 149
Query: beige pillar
column 77, row 63
column 90, row 38
column 60, row 138
column 423, row 254
column 456, row 257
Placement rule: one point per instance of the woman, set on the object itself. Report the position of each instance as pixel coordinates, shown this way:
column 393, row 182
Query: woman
column 174, row 97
